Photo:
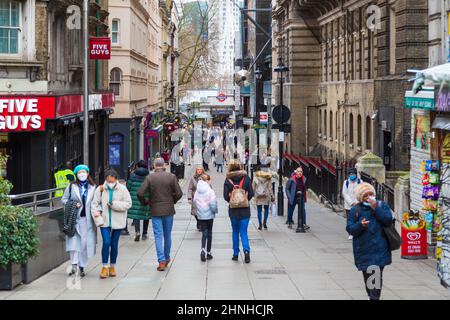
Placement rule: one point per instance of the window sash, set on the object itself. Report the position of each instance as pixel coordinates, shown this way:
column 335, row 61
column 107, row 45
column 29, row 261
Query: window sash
column 10, row 20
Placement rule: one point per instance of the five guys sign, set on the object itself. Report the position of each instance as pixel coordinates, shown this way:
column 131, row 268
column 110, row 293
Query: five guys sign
column 25, row 113
column 100, row 48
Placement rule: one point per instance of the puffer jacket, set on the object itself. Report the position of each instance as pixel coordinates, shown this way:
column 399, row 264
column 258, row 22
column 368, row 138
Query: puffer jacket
column 262, row 181
column 370, row 246
column 205, row 201
column 120, row 199
column 137, row 210
column 236, row 177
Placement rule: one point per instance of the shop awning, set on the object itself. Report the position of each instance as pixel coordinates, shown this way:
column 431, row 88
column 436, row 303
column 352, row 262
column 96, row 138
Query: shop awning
column 441, row 122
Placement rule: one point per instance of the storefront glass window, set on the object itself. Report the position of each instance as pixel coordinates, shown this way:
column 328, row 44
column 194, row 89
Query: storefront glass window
column 115, row 149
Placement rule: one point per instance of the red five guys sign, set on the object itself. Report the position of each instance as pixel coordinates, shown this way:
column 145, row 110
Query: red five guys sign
column 25, row 113
column 100, row 48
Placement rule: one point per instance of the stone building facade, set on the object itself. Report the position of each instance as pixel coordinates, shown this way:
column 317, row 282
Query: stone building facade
column 348, row 65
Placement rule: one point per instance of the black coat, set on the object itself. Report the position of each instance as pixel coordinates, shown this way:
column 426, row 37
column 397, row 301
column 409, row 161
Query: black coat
column 236, row 177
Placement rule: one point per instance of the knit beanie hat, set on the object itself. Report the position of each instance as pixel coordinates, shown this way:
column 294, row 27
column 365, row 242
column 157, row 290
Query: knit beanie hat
column 81, row 167
column 362, row 189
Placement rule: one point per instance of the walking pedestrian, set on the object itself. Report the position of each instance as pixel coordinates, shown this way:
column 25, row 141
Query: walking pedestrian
column 348, row 192
column 296, row 189
column 365, row 222
column 111, row 200
column 220, row 159
column 82, row 245
column 138, row 212
column 199, row 171
column 264, row 196
column 238, row 191
column 162, row 190
column 205, row 201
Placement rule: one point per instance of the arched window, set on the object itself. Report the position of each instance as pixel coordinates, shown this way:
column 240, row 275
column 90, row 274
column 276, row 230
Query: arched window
column 359, row 131
column 336, row 136
column 115, row 31
column 320, row 121
column 115, row 81
column 343, row 129
column 325, row 132
column 368, row 133
column 351, row 128
column 331, row 125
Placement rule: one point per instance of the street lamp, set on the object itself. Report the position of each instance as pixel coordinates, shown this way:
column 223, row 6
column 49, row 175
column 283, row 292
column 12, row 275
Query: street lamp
column 258, row 76
column 280, row 69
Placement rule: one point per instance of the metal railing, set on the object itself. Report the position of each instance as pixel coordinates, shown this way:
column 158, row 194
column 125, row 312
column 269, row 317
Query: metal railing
column 384, row 192
column 38, row 200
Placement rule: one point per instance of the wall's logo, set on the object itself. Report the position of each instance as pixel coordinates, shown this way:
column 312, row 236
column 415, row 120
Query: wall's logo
column 413, row 236
column 374, row 20
column 74, row 17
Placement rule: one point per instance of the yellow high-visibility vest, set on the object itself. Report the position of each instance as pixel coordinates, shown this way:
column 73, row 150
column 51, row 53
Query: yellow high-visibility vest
column 62, row 180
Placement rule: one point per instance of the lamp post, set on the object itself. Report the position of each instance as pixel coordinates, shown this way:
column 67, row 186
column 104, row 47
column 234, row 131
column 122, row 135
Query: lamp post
column 86, row 82
column 280, row 69
column 258, row 76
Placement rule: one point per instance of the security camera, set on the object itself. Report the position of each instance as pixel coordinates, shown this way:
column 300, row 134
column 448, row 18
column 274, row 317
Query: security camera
column 374, row 115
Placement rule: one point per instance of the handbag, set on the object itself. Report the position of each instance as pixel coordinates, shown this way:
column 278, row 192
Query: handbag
column 273, row 210
column 70, row 215
column 99, row 221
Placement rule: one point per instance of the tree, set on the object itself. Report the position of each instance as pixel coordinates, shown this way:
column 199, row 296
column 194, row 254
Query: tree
column 198, row 37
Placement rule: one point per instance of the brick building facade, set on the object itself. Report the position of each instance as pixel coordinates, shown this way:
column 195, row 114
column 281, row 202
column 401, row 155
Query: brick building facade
column 348, row 65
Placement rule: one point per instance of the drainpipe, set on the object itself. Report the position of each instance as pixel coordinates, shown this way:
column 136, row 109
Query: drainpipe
column 97, row 64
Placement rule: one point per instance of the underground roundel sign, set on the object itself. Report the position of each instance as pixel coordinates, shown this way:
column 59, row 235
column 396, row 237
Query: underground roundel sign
column 221, row 97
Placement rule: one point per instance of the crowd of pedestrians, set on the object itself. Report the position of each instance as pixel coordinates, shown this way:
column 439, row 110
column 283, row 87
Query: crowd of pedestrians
column 152, row 195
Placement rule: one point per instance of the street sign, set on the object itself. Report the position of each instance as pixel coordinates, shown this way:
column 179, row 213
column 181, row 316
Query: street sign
column 263, row 118
column 221, row 97
column 100, row 48
column 287, row 128
column 281, row 114
column 248, row 121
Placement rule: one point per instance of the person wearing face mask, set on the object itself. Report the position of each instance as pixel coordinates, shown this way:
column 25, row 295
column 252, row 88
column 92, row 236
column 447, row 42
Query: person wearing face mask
column 366, row 222
column 82, row 245
column 348, row 192
column 111, row 200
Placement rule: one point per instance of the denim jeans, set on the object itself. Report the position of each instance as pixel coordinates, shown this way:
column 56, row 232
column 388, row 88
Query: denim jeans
column 220, row 167
column 240, row 228
column 110, row 248
column 162, row 230
column 291, row 209
column 266, row 213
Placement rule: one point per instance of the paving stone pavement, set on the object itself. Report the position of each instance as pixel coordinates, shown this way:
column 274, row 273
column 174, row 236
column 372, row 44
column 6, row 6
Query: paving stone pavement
column 285, row 265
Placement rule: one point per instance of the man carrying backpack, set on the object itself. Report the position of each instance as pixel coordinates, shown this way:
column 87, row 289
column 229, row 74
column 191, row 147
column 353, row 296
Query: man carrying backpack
column 348, row 192
column 238, row 192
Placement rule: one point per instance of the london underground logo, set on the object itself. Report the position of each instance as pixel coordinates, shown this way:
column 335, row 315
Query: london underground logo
column 221, row 97
column 413, row 236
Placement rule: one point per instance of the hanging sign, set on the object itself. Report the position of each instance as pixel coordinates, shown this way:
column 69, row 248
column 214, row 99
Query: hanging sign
column 25, row 113
column 263, row 118
column 100, row 48
column 414, row 237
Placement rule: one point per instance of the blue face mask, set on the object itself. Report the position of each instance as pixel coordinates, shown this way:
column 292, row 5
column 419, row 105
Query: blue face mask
column 353, row 177
column 366, row 204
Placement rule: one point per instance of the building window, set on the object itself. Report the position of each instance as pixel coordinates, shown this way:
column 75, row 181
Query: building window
column 359, row 131
column 325, row 132
column 9, row 26
column 368, row 133
column 343, row 127
column 331, row 125
column 320, row 122
column 115, row 31
column 351, row 128
column 115, row 81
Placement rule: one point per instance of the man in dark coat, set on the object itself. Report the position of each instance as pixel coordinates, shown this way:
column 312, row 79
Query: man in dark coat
column 163, row 192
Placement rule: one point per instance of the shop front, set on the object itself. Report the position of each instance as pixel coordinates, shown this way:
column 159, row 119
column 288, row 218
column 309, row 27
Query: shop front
column 40, row 134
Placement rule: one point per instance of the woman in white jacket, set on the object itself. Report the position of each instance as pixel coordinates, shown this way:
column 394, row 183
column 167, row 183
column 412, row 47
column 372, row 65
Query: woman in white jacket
column 205, row 202
column 112, row 200
column 82, row 245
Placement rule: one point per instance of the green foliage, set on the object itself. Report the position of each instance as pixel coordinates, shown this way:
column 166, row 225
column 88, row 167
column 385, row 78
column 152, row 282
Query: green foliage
column 18, row 228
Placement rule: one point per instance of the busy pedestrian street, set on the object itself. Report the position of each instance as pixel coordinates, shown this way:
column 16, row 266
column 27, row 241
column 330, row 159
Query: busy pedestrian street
column 285, row 265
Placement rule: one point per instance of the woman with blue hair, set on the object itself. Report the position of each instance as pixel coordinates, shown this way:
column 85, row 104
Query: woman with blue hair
column 82, row 245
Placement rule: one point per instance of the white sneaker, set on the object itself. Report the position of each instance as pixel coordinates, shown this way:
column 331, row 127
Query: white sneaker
column 350, row 237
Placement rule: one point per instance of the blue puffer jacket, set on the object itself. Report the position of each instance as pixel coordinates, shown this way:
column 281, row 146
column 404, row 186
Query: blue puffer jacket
column 370, row 246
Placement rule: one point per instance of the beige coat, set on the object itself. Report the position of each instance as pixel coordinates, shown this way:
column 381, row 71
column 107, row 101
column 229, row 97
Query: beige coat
column 116, row 215
column 263, row 180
